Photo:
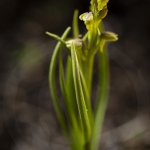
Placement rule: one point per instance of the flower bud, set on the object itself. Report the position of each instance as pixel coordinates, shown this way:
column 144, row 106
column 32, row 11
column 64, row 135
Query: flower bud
column 109, row 36
column 101, row 4
column 102, row 14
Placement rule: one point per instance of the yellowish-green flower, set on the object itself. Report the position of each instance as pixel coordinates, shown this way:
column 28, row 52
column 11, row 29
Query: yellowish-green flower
column 88, row 19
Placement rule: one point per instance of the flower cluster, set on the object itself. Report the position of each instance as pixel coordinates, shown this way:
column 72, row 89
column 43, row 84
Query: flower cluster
column 93, row 19
column 98, row 12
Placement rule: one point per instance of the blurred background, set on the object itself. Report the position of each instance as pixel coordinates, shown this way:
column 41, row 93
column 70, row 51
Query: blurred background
column 27, row 118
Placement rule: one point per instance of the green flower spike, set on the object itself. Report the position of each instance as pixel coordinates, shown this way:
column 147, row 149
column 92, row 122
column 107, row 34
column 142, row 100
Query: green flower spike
column 82, row 123
column 88, row 19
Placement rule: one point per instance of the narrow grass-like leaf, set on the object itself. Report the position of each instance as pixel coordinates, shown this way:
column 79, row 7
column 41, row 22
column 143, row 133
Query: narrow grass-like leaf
column 85, row 36
column 75, row 24
column 87, row 70
column 70, row 85
column 87, row 98
column 75, row 135
column 52, row 84
column 59, row 39
column 68, row 102
column 85, row 124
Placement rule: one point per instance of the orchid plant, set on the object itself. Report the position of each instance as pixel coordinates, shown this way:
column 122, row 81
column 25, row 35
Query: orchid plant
column 82, row 124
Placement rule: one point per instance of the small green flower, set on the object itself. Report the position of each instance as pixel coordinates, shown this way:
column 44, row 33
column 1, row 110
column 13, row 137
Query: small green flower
column 107, row 37
column 88, row 19
column 77, row 43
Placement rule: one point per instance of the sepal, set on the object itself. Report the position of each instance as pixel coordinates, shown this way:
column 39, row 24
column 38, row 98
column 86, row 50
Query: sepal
column 109, row 36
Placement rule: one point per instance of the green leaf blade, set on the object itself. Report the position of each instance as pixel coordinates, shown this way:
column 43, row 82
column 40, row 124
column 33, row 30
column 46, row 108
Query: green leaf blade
column 75, row 24
column 52, row 84
column 84, row 118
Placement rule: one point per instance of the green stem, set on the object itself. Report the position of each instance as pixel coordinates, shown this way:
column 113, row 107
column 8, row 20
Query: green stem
column 87, row 67
column 102, row 98
column 87, row 98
